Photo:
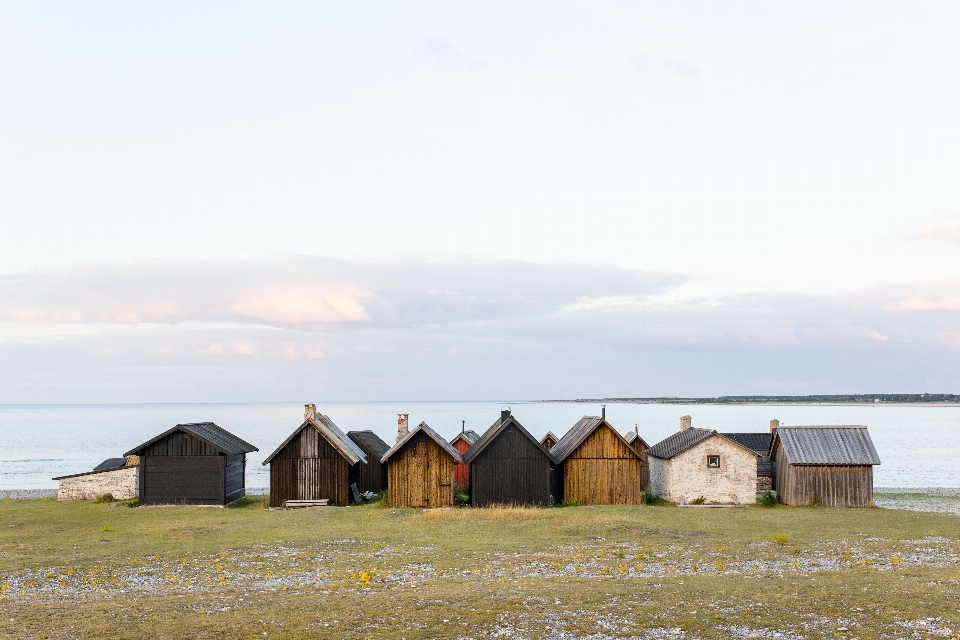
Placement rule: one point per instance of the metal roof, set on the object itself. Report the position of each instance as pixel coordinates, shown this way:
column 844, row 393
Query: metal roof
column 424, row 427
column 332, row 434
column 825, row 445
column 759, row 442
column 577, row 434
column 210, row 433
column 369, row 442
column 491, row 434
column 468, row 435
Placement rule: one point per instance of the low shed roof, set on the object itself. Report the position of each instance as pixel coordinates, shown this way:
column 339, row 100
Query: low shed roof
column 433, row 435
column 682, row 440
column 110, row 464
column 491, row 434
column 824, row 445
column 759, row 442
column 371, row 441
column 210, row 433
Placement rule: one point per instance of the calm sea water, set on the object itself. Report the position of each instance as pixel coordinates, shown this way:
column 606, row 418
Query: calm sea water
column 919, row 446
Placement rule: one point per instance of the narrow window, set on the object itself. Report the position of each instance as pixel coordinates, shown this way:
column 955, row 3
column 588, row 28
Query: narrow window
column 713, row 462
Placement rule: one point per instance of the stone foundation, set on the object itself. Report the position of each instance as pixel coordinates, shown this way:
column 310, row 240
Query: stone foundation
column 121, row 483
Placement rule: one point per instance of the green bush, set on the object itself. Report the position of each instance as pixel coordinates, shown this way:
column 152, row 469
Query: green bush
column 649, row 497
column 103, row 497
column 700, row 500
column 570, row 502
column 767, row 498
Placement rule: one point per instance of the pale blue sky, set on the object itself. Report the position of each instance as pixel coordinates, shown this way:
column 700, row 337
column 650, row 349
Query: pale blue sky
column 477, row 200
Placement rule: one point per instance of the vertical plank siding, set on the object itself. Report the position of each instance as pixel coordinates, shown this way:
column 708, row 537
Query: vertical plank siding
column 833, row 485
column 461, row 471
column 641, row 450
column 511, row 470
column 420, row 475
column 309, row 468
column 603, row 470
column 182, row 480
column 234, row 477
column 370, row 475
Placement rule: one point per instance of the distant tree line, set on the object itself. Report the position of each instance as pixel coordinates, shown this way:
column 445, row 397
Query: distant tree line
column 857, row 397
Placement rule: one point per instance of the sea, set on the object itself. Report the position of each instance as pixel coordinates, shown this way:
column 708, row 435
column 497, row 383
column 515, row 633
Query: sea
column 919, row 446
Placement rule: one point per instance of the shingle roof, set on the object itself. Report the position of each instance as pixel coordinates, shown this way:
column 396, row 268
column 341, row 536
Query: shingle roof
column 577, row 434
column 210, row 433
column 759, row 442
column 679, row 442
column 823, row 445
column 369, row 442
column 424, row 427
column 332, row 434
column 470, row 436
column 491, row 434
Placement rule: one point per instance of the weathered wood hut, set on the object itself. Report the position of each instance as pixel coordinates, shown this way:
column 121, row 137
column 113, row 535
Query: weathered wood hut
column 372, row 475
column 313, row 463
column 420, row 470
column 508, row 466
column 597, row 465
column 829, row 465
column 461, row 470
column 197, row 463
column 549, row 440
column 701, row 463
column 114, row 476
column 640, row 446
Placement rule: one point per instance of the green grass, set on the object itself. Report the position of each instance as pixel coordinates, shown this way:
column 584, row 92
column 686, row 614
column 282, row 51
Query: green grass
column 86, row 569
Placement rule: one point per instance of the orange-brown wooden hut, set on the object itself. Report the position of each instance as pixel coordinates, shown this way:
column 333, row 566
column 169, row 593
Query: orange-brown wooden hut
column 420, row 470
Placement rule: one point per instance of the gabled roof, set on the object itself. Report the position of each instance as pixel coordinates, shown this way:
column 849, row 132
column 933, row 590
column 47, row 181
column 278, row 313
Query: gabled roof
column 551, row 435
column 469, row 436
column 578, row 434
column 332, row 434
column 215, row 436
column 110, row 464
column 433, row 435
column 679, row 442
column 369, row 442
column 495, row 430
column 823, row 445
column 759, row 442
column 633, row 435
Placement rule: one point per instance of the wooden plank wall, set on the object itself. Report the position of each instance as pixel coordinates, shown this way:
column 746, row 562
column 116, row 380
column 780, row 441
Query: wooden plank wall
column 834, row 485
column 309, row 468
column 181, row 480
column 371, row 475
column 180, row 444
column 603, row 470
column 461, row 471
column 644, row 464
column 234, row 477
column 511, row 470
column 420, row 475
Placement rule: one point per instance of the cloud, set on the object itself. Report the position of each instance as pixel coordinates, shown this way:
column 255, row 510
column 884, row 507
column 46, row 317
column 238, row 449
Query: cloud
column 943, row 226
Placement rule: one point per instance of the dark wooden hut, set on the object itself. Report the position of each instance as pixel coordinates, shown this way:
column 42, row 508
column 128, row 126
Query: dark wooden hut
column 420, row 470
column 461, row 470
column 549, row 440
column 640, row 446
column 509, row 466
column 829, row 465
column 597, row 465
column 372, row 475
column 197, row 463
column 760, row 444
column 314, row 463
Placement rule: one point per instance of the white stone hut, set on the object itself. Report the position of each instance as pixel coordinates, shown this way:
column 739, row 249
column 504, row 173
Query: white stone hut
column 701, row 463
column 116, row 476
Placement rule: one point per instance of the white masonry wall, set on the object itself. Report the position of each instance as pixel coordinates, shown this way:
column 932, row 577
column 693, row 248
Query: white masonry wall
column 121, row 483
column 687, row 477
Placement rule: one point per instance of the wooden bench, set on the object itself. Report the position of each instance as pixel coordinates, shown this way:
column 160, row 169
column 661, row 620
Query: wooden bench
column 297, row 504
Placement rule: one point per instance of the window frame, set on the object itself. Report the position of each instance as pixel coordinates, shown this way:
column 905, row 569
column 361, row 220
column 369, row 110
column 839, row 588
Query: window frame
column 710, row 458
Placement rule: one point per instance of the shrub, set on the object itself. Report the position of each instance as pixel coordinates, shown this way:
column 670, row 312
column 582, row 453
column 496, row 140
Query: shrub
column 103, row 497
column 570, row 502
column 767, row 498
column 780, row 539
column 816, row 501
column 700, row 500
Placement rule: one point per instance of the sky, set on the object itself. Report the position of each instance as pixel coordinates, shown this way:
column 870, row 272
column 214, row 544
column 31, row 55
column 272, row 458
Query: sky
column 478, row 200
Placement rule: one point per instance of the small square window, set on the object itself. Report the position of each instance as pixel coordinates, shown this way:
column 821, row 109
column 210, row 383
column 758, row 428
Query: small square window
column 713, row 462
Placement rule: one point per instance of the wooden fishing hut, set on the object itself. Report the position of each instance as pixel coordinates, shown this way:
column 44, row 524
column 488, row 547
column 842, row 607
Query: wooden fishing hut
column 371, row 475
column 314, row 463
column 549, row 440
column 509, row 466
column 196, row 463
column 420, row 470
column 461, row 470
column 640, row 446
column 597, row 465
column 825, row 464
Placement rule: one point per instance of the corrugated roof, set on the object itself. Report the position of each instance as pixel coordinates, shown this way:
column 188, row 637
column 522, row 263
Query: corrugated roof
column 491, row 434
column 826, row 445
column 759, row 442
column 210, row 433
column 679, row 442
column 468, row 435
column 424, row 427
column 332, row 434
column 370, row 442
column 577, row 434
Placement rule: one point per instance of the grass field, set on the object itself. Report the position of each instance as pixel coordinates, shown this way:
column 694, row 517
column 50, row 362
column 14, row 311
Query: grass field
column 90, row 570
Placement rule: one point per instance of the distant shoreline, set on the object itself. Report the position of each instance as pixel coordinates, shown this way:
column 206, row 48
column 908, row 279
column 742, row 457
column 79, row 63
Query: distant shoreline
column 768, row 403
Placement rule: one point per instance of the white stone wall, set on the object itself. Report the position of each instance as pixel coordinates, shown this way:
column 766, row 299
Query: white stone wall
column 122, row 483
column 687, row 476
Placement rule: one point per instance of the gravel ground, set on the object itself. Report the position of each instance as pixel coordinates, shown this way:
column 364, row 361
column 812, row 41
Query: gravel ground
column 932, row 499
column 28, row 493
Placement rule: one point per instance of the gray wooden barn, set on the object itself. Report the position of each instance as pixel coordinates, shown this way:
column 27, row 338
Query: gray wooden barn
column 829, row 465
column 196, row 463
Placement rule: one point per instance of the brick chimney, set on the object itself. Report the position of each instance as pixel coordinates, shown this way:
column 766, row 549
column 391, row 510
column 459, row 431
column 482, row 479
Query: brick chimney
column 309, row 411
column 684, row 423
column 773, row 425
column 403, row 426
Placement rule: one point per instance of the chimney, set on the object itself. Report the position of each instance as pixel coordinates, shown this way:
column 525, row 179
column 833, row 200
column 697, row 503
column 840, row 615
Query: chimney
column 403, row 426
column 603, row 412
column 636, row 429
column 309, row 411
column 773, row 425
column 504, row 414
column 684, row 423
